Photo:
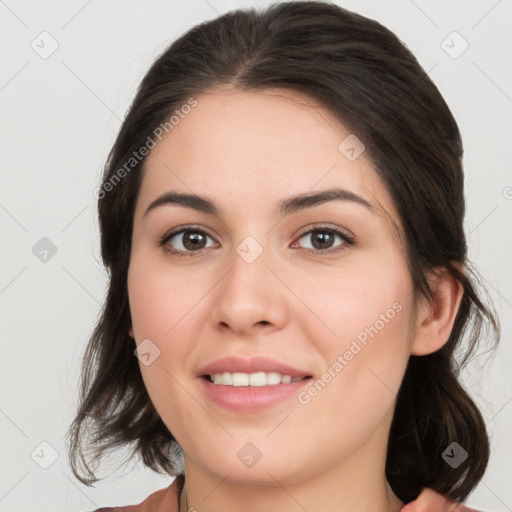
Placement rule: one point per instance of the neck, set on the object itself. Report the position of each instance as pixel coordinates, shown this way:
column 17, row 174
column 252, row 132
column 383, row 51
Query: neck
column 386, row 501
column 356, row 485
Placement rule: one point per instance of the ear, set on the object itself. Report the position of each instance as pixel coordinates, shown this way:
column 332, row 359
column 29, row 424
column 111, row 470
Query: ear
column 435, row 318
column 130, row 332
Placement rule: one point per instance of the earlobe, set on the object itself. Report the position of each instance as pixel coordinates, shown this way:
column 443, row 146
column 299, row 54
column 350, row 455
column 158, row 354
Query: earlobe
column 131, row 333
column 436, row 319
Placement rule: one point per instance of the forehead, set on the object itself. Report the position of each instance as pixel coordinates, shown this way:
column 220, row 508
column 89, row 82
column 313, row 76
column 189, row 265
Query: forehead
column 252, row 148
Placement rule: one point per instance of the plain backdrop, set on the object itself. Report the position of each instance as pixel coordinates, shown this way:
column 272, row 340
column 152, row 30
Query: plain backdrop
column 69, row 70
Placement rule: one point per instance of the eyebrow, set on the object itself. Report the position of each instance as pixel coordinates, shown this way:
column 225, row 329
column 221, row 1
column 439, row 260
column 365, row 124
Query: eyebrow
column 284, row 207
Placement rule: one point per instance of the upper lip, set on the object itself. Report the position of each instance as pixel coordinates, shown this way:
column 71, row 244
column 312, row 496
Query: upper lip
column 252, row 365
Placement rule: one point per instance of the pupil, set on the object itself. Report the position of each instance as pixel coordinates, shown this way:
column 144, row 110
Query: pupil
column 324, row 238
column 193, row 240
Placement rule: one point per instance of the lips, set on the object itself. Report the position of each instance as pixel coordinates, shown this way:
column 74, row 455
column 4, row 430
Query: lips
column 252, row 365
column 252, row 400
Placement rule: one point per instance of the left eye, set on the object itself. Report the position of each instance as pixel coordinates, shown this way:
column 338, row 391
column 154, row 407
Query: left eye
column 323, row 238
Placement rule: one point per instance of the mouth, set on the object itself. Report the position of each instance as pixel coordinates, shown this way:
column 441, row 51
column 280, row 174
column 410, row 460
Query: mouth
column 242, row 396
column 251, row 384
column 252, row 380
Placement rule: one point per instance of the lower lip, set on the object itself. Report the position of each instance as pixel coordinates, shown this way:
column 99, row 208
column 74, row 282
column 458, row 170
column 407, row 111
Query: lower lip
column 250, row 399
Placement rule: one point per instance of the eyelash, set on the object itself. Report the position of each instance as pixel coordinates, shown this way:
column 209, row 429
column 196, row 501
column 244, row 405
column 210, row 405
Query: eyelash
column 349, row 241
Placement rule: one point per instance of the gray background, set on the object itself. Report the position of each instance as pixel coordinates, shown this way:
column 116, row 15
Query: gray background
column 60, row 114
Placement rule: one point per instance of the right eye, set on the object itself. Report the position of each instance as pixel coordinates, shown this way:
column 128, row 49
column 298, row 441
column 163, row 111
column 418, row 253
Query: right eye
column 187, row 241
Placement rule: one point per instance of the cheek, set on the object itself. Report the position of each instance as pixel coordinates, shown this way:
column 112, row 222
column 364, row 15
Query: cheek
column 365, row 298
column 364, row 368
column 361, row 328
column 160, row 298
column 162, row 305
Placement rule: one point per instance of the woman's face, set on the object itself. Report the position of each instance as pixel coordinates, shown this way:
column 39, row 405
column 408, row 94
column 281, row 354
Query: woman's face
column 252, row 280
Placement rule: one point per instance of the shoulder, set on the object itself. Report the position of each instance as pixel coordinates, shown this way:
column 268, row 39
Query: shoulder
column 163, row 500
column 429, row 501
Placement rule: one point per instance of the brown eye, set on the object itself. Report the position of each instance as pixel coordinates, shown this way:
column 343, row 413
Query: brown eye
column 185, row 242
column 323, row 240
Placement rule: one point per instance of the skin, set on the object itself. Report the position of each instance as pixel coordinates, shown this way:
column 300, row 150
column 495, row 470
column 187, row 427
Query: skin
column 428, row 501
column 247, row 151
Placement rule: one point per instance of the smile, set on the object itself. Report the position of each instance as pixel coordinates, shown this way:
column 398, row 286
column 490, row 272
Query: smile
column 243, row 396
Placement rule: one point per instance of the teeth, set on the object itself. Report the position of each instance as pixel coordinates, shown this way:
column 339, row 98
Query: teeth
column 252, row 379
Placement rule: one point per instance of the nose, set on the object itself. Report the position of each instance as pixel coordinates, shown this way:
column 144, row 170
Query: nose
column 251, row 295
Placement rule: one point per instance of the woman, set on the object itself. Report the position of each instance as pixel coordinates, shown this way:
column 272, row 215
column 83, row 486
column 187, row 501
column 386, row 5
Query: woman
column 282, row 219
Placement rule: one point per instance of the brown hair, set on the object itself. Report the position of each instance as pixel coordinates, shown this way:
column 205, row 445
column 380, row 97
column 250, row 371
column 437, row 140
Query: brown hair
column 370, row 81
